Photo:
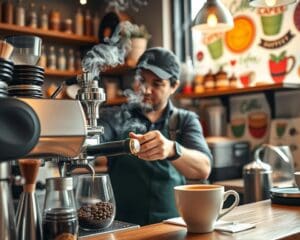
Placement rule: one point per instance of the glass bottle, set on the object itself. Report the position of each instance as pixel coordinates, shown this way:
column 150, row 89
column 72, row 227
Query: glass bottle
column 32, row 17
column 60, row 216
column 71, row 60
column 20, row 14
column 87, row 23
column 43, row 58
column 44, row 22
column 68, row 25
column 8, row 12
column 52, row 58
column 96, row 24
column 79, row 22
column 55, row 20
column 61, row 61
column 78, row 61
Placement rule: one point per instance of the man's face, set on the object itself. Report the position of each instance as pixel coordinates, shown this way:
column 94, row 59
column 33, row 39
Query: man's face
column 155, row 92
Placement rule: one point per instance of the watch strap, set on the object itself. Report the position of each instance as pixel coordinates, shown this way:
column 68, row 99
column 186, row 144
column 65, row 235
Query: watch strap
column 178, row 152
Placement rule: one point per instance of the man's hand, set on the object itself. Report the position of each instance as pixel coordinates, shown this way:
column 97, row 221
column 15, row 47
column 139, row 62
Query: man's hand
column 154, row 146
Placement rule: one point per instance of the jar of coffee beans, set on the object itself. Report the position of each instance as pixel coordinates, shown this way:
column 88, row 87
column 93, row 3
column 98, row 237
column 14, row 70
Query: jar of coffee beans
column 60, row 223
column 60, row 220
column 96, row 206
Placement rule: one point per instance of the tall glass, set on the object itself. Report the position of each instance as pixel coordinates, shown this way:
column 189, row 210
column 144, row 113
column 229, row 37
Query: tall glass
column 27, row 49
column 95, row 201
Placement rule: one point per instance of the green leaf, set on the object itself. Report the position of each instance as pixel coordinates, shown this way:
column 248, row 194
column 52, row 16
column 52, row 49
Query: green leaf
column 273, row 57
column 281, row 56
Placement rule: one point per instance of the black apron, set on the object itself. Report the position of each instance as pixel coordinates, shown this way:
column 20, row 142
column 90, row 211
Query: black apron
column 144, row 189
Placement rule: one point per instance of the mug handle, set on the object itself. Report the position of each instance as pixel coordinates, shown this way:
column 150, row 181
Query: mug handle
column 234, row 204
column 292, row 65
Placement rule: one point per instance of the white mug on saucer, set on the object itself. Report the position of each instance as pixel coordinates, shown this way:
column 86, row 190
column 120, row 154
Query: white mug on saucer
column 200, row 205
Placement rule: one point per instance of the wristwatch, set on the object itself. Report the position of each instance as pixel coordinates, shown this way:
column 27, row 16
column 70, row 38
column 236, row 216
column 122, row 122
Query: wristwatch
column 178, row 152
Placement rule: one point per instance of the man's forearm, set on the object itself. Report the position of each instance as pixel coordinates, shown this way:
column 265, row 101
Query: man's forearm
column 193, row 164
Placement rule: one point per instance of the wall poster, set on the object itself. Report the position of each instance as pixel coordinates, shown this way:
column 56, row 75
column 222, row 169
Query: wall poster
column 263, row 47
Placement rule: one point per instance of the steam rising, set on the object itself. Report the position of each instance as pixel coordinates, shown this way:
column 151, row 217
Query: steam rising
column 110, row 54
column 123, row 120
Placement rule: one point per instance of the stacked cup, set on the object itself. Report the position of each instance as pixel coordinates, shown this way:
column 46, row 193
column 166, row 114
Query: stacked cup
column 6, row 67
column 27, row 77
column 27, row 81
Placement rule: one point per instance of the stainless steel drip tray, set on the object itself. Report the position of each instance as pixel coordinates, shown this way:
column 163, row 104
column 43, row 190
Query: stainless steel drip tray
column 116, row 226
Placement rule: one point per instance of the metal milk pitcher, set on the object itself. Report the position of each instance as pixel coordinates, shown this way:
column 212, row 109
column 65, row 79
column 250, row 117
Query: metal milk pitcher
column 257, row 177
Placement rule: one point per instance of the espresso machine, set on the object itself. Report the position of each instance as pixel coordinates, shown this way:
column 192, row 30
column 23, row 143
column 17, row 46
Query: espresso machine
column 65, row 132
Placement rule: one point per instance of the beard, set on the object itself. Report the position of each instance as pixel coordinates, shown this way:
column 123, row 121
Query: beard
column 146, row 107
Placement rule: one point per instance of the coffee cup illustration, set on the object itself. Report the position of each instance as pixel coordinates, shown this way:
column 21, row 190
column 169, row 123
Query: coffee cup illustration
column 278, row 66
column 214, row 44
column 257, row 124
column 280, row 128
column 271, row 19
column 247, row 78
column 238, row 126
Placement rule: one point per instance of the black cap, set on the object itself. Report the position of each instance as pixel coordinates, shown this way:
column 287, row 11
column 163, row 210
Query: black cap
column 161, row 62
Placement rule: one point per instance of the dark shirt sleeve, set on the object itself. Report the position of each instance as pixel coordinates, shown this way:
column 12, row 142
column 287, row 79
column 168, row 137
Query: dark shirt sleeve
column 108, row 119
column 191, row 134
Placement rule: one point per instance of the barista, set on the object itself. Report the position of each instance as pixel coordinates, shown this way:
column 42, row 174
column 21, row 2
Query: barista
column 143, row 184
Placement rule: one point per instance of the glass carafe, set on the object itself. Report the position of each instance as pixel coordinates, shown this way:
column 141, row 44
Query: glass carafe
column 60, row 217
column 95, row 201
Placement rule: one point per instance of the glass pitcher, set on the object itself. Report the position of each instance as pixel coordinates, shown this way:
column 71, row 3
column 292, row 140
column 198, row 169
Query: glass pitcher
column 281, row 160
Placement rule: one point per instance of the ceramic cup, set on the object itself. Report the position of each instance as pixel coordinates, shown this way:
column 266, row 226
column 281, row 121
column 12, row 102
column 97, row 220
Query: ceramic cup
column 200, row 205
column 297, row 179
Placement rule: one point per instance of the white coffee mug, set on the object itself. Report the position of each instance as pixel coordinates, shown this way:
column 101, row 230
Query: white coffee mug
column 200, row 205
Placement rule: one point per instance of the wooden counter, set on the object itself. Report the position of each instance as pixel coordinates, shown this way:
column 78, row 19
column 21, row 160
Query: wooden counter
column 272, row 222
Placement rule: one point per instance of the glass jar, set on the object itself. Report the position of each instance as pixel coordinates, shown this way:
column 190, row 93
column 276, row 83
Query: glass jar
column 32, row 16
column 8, row 12
column 54, row 20
column 79, row 22
column 43, row 59
column 44, row 21
column 71, row 61
column 61, row 61
column 20, row 14
column 59, row 216
column 51, row 58
column 95, row 201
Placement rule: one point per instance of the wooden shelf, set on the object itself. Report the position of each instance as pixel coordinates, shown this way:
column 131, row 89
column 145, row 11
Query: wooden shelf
column 49, row 34
column 59, row 73
column 116, row 101
column 118, row 70
column 235, row 91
